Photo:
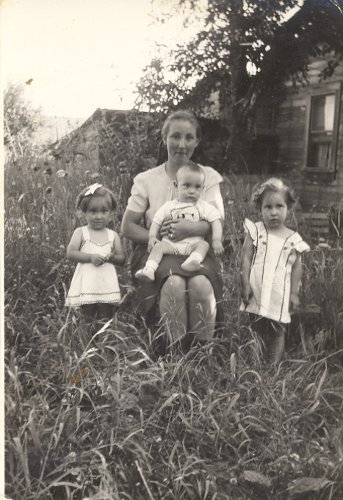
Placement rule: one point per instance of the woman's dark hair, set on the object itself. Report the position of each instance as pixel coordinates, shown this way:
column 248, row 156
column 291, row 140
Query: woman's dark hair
column 273, row 184
column 181, row 114
column 83, row 199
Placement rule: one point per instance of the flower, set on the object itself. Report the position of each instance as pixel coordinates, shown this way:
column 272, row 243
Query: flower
column 61, row 173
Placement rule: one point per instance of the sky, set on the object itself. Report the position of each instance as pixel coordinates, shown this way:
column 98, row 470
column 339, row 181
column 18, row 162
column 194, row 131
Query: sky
column 81, row 54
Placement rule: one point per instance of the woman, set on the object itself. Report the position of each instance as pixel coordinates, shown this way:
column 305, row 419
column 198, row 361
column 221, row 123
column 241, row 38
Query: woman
column 187, row 301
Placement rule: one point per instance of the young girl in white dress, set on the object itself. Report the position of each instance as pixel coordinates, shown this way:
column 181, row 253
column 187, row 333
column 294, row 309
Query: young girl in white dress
column 271, row 266
column 95, row 248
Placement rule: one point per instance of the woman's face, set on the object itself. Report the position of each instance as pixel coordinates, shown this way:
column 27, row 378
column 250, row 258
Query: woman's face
column 181, row 140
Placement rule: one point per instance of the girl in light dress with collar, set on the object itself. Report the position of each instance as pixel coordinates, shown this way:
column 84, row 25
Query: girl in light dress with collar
column 271, row 265
column 95, row 248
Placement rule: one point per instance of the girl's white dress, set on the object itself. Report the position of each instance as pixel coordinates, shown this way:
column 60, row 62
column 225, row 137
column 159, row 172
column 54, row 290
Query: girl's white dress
column 270, row 275
column 92, row 284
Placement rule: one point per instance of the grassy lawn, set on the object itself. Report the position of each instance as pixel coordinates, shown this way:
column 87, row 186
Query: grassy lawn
column 113, row 420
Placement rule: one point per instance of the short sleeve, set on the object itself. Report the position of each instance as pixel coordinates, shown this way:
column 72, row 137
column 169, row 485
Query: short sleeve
column 210, row 212
column 212, row 193
column 212, row 178
column 301, row 246
column 138, row 201
column 251, row 229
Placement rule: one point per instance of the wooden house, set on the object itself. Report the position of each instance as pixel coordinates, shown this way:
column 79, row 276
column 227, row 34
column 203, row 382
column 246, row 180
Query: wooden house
column 300, row 137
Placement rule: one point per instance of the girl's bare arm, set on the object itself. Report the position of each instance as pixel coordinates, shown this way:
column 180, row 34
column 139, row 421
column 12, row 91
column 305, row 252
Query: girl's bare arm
column 117, row 256
column 296, row 275
column 247, row 254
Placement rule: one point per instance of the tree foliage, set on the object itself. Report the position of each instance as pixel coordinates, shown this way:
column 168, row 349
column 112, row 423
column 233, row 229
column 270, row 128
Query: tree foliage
column 245, row 49
column 21, row 120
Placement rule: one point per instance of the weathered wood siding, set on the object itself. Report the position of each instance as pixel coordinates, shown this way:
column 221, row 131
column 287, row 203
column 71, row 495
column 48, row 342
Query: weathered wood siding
column 81, row 151
column 317, row 191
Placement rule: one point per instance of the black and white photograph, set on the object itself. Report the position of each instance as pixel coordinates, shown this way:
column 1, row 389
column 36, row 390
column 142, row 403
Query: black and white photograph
column 172, row 261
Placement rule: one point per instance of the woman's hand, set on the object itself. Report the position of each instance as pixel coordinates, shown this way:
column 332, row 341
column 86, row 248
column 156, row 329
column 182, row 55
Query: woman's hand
column 177, row 230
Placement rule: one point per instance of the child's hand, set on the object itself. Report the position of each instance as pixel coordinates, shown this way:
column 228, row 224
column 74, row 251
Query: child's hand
column 98, row 260
column 246, row 294
column 218, row 248
column 294, row 301
column 152, row 242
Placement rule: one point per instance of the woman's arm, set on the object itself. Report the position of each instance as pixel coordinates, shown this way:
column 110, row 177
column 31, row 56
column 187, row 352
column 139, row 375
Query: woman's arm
column 214, row 196
column 117, row 256
column 184, row 229
column 247, row 254
column 131, row 228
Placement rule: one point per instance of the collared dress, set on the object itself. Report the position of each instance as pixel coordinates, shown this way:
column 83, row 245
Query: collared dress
column 270, row 274
column 94, row 284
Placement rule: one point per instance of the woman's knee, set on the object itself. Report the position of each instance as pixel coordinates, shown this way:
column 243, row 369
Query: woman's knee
column 174, row 288
column 200, row 289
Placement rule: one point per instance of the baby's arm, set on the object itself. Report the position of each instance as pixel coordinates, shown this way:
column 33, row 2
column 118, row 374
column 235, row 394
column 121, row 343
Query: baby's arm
column 247, row 254
column 295, row 283
column 217, row 236
column 153, row 235
column 117, row 256
column 74, row 253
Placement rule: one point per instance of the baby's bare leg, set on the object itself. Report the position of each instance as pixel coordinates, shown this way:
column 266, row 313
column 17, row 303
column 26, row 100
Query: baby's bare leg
column 147, row 274
column 161, row 248
column 198, row 254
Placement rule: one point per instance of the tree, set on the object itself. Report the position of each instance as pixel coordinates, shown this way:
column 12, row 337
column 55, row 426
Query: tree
column 236, row 35
column 21, row 120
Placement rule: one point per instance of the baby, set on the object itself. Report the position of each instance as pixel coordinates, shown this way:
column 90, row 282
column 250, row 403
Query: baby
column 187, row 206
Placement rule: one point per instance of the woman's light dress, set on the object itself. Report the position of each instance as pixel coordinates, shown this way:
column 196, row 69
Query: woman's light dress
column 93, row 284
column 270, row 275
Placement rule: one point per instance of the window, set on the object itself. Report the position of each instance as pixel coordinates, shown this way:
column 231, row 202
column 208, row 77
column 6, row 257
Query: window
column 322, row 129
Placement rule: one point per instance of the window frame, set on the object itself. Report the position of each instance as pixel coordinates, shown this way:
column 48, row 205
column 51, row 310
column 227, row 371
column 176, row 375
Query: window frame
column 330, row 89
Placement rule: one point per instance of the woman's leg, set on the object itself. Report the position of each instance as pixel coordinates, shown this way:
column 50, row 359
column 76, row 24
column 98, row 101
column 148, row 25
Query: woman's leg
column 173, row 306
column 277, row 341
column 202, row 307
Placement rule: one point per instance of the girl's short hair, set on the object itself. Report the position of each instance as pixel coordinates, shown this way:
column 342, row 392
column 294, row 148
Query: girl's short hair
column 87, row 194
column 181, row 114
column 273, row 184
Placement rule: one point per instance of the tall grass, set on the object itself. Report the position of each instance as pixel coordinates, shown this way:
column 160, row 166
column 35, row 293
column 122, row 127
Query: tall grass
column 113, row 420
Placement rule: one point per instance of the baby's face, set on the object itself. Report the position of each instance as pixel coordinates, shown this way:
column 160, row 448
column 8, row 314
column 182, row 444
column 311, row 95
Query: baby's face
column 189, row 186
